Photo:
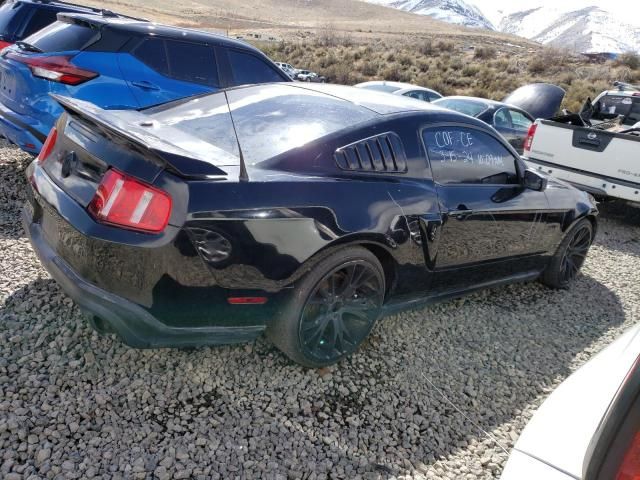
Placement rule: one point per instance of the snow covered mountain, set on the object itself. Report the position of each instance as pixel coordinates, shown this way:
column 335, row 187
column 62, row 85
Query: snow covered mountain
column 588, row 30
column 451, row 11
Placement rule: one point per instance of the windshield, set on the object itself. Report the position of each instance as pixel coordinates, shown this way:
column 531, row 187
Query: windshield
column 468, row 107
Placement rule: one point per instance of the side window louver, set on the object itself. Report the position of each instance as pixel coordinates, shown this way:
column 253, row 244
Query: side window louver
column 383, row 153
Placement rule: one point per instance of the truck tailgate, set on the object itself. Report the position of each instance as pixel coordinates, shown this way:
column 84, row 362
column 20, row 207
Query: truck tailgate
column 587, row 151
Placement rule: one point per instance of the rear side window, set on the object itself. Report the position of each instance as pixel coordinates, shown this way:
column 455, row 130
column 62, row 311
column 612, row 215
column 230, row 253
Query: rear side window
column 247, row 69
column 11, row 16
column 152, row 53
column 463, row 155
column 191, row 62
column 42, row 17
column 418, row 94
column 63, row 37
column 519, row 121
column 187, row 62
column 502, row 119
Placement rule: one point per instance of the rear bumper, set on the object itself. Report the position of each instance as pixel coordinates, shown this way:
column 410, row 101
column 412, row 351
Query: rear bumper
column 92, row 272
column 137, row 327
column 22, row 130
column 594, row 183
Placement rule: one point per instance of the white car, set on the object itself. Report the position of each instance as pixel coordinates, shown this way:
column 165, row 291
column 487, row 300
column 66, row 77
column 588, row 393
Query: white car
column 309, row 76
column 288, row 69
column 589, row 427
column 399, row 88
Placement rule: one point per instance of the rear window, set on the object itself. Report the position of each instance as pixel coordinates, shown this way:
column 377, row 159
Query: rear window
column 270, row 119
column 11, row 16
column 612, row 106
column 468, row 107
column 381, row 88
column 63, row 37
column 42, row 17
column 249, row 69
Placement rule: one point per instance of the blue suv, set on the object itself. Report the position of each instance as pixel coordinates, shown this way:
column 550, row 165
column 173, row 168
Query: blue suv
column 116, row 63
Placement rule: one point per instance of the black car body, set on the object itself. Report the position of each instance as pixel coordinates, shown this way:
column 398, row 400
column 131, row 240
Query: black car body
column 263, row 195
column 22, row 18
column 515, row 114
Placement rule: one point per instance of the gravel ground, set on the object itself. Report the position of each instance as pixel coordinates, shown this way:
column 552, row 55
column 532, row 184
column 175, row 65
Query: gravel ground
column 77, row 405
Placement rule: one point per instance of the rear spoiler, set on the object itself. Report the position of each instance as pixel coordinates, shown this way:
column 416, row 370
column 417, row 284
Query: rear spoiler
column 94, row 12
column 138, row 133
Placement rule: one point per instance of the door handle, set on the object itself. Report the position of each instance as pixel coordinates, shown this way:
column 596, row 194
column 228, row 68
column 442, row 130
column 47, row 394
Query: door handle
column 462, row 213
column 145, row 85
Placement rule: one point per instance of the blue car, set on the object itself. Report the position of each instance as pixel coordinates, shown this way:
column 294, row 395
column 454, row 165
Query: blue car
column 115, row 63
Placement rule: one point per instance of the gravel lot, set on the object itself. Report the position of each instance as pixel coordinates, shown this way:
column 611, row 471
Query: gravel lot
column 77, row 405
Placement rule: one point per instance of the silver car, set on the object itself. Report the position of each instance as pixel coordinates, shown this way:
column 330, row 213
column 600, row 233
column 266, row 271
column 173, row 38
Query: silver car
column 399, row 88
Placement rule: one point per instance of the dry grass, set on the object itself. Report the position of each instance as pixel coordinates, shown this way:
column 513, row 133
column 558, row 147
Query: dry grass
column 455, row 68
column 350, row 41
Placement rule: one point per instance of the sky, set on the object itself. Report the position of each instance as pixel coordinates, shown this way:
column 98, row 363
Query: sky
column 629, row 10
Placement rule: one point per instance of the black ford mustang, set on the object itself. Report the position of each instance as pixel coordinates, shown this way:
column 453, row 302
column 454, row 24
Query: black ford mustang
column 305, row 211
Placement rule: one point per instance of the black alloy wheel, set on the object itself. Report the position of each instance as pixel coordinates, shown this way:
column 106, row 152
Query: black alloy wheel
column 575, row 253
column 570, row 256
column 333, row 309
column 341, row 311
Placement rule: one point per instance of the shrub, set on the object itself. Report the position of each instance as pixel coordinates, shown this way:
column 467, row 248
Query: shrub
column 630, row 60
column 427, row 48
column 445, row 46
column 485, row 53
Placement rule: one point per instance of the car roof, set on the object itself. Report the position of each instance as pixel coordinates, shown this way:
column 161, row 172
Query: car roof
column 398, row 85
column 621, row 93
column 142, row 27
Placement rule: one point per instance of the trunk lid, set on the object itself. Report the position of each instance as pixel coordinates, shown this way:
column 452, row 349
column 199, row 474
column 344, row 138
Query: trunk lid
column 92, row 140
column 541, row 100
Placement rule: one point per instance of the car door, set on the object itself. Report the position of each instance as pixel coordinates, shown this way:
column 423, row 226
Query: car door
column 491, row 226
column 159, row 70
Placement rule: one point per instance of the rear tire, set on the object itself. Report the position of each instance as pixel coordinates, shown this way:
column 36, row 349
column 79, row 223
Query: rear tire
column 334, row 308
column 570, row 256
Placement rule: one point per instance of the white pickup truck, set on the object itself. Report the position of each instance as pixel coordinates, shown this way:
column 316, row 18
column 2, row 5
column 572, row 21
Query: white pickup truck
column 596, row 150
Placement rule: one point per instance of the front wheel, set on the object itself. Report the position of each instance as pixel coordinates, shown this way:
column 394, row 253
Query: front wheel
column 334, row 308
column 570, row 256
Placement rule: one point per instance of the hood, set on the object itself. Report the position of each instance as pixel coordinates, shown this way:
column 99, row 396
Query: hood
column 541, row 100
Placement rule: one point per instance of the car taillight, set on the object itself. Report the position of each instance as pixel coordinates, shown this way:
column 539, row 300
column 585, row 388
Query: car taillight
column 630, row 467
column 4, row 44
column 49, row 143
column 126, row 202
column 530, row 134
column 57, row 68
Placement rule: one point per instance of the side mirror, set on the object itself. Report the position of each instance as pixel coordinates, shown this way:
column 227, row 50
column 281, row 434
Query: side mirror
column 533, row 181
